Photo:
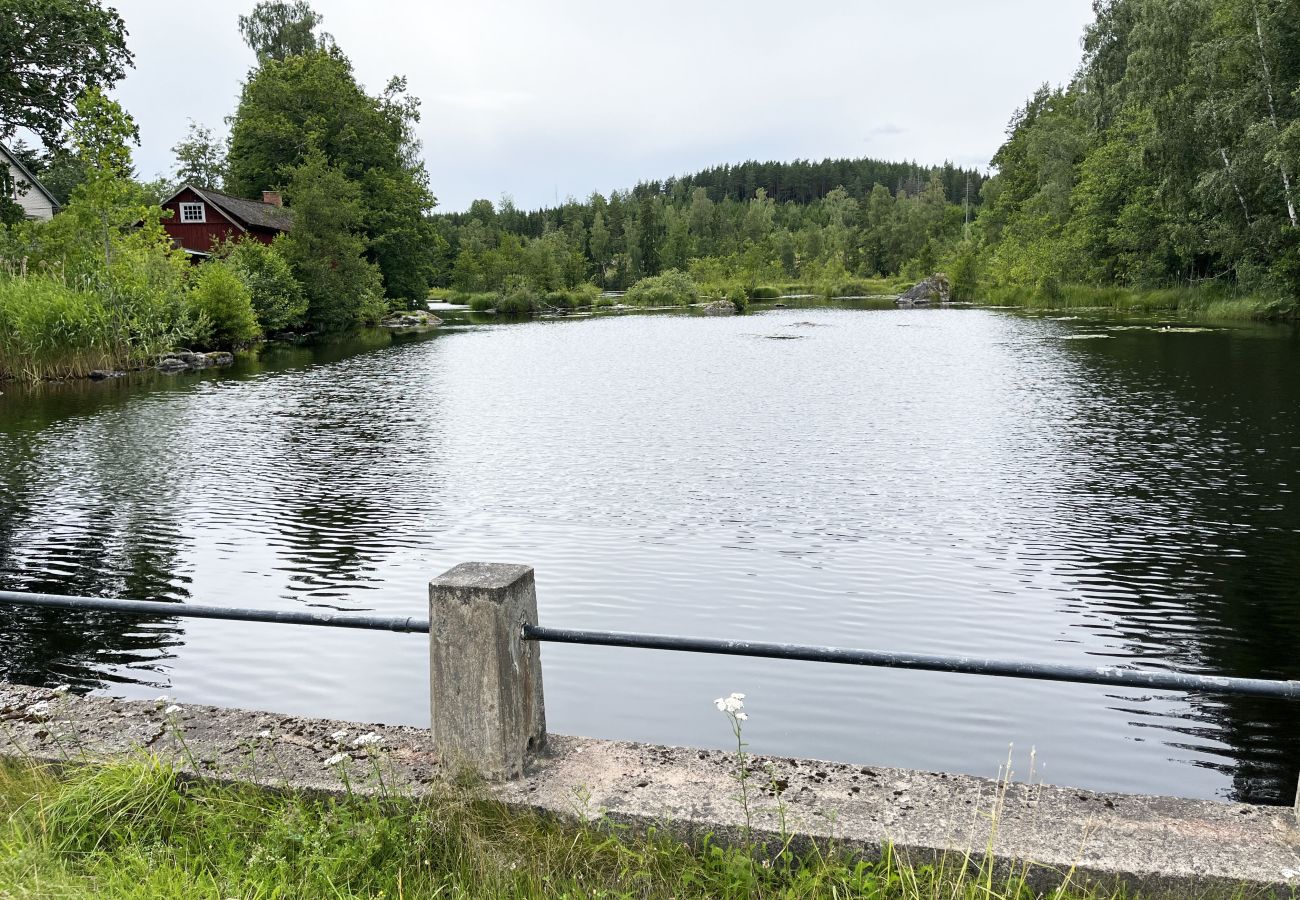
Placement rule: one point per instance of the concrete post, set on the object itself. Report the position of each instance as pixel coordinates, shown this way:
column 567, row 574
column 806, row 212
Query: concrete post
column 485, row 682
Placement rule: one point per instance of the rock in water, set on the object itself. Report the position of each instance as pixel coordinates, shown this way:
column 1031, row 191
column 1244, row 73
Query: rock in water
column 413, row 319
column 720, row 308
column 935, row 289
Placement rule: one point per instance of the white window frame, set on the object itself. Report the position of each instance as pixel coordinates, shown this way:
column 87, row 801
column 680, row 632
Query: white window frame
column 188, row 209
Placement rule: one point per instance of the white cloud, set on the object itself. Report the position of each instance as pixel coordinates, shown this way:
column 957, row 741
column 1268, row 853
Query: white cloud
column 545, row 100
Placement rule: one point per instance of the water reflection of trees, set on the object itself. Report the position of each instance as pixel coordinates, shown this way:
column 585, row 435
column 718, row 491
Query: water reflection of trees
column 109, row 543
column 352, row 482
column 1216, row 461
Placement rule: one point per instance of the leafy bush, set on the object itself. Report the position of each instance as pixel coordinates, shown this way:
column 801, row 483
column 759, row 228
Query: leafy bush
column 278, row 298
column 765, row 292
column 223, row 306
column 519, row 300
column 580, row 297
column 669, row 289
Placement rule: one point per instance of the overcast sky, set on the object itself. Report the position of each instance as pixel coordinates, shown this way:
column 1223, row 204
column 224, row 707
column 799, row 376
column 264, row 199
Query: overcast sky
column 545, row 100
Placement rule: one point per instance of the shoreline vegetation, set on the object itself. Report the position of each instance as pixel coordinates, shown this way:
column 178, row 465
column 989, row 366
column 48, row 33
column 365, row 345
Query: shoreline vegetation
column 1169, row 188
column 136, row 829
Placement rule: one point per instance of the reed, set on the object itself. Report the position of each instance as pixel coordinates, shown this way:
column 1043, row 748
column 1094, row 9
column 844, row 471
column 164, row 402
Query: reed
column 49, row 329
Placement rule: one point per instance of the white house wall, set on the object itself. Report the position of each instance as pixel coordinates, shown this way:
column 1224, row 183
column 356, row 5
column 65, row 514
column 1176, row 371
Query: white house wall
column 34, row 203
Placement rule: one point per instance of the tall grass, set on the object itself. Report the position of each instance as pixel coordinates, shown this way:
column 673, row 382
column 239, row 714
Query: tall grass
column 1209, row 302
column 132, row 830
column 51, row 330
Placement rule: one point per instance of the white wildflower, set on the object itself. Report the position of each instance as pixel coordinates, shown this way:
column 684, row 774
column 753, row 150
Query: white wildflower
column 39, row 710
column 339, row 735
column 61, row 689
column 336, row 759
column 173, row 710
column 368, row 740
column 742, row 716
column 264, row 733
column 162, row 700
column 733, row 704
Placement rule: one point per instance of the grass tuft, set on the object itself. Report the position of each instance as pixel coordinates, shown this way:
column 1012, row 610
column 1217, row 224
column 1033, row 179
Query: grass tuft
column 133, row 830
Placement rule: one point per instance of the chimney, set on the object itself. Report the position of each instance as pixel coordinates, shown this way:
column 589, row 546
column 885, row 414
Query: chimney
column 272, row 197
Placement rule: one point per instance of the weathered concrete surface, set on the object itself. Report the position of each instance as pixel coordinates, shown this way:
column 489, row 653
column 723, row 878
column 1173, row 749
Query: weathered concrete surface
column 1161, row 846
column 485, row 681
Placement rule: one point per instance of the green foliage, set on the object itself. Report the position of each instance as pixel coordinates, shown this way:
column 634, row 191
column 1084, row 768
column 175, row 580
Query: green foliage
column 277, row 30
column 107, row 244
column 223, row 308
column 309, row 102
column 326, row 250
column 133, row 830
column 277, row 297
column 672, row 288
column 52, row 52
column 518, row 300
column 49, row 330
column 765, row 292
column 481, row 302
column 200, row 158
column 702, row 226
column 1171, row 159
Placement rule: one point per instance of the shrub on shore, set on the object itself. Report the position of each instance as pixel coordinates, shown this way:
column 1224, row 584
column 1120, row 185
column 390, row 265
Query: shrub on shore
column 277, row 297
column 223, row 308
column 672, row 288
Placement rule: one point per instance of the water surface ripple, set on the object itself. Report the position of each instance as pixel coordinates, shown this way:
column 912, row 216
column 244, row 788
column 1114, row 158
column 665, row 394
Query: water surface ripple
column 962, row 481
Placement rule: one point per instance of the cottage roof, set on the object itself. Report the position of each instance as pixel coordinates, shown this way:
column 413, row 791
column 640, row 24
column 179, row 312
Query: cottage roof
column 28, row 178
column 244, row 212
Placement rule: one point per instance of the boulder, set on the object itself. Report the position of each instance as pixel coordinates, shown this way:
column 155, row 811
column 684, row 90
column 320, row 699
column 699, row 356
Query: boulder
column 193, row 360
column 935, row 289
column 414, row 319
column 720, row 308
column 188, row 361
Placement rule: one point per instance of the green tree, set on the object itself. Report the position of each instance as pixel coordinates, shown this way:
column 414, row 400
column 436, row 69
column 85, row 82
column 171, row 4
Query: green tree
column 200, row 158
column 278, row 30
column 51, row 53
column 326, row 248
column 312, row 100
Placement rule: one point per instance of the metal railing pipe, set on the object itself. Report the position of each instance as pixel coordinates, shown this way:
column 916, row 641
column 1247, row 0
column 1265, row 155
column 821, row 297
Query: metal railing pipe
column 1112, row 676
column 404, row 624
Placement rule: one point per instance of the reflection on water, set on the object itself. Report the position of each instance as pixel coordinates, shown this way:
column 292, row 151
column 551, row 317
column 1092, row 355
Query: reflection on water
column 950, row 481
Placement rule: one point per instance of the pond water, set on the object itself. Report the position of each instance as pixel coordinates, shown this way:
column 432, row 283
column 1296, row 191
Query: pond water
column 1048, row 487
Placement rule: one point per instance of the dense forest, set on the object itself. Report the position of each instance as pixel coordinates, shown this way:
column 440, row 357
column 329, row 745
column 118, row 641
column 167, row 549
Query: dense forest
column 824, row 222
column 1171, row 158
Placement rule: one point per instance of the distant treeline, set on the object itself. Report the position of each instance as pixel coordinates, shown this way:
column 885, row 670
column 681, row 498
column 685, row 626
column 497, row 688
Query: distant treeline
column 804, row 181
column 748, row 224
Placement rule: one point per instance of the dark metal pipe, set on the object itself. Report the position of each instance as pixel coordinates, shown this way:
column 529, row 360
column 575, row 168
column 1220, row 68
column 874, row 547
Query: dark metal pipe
column 1112, row 676
column 406, row 624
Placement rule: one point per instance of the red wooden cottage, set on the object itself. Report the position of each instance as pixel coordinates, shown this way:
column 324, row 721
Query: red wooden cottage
column 202, row 217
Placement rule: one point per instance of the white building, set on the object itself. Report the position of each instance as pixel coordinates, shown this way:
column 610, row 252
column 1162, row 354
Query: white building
column 27, row 191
